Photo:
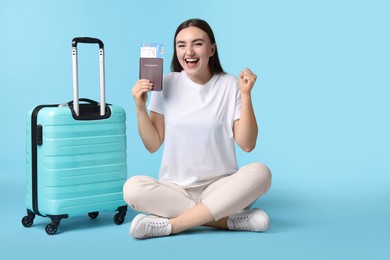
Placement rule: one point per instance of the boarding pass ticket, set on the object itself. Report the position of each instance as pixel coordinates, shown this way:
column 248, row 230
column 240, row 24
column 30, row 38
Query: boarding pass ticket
column 152, row 50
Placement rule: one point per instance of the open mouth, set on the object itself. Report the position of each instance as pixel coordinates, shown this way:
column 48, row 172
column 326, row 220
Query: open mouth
column 191, row 61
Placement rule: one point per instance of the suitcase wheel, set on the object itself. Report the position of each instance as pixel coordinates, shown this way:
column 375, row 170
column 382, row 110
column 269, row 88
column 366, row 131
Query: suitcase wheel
column 28, row 220
column 51, row 228
column 119, row 218
column 93, row 215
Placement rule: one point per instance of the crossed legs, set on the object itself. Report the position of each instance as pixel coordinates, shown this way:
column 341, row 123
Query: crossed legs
column 206, row 205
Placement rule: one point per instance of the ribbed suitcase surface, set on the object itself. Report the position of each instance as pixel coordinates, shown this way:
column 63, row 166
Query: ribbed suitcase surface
column 80, row 164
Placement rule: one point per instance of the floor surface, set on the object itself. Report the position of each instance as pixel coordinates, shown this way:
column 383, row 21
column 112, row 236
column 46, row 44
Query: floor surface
column 306, row 224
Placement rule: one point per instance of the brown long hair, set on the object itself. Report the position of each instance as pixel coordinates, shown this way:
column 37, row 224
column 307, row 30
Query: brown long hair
column 214, row 63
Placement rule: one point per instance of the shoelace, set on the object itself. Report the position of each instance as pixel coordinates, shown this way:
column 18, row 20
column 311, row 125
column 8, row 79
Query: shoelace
column 242, row 223
column 156, row 228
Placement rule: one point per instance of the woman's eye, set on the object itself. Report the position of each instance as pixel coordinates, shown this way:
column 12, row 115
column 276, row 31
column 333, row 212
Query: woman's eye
column 198, row 44
column 180, row 46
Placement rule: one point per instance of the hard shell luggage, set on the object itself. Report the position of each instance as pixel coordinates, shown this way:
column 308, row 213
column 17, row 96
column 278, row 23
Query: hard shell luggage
column 76, row 156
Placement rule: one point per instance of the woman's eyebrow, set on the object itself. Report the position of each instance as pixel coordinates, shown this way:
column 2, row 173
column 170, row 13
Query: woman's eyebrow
column 180, row 42
column 195, row 40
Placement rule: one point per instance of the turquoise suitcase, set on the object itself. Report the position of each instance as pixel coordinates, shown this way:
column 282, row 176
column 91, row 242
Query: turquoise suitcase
column 76, row 156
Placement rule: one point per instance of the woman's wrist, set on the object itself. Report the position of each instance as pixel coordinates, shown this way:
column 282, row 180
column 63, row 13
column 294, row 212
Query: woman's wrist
column 246, row 95
column 140, row 109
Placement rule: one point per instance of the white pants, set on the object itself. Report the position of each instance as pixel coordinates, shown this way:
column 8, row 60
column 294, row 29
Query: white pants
column 223, row 197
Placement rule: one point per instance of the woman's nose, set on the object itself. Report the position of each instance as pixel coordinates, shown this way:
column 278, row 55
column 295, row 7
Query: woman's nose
column 190, row 51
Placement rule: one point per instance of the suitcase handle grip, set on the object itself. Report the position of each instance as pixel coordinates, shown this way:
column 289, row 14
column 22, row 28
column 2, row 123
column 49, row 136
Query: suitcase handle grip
column 90, row 101
column 77, row 40
column 89, row 110
column 86, row 100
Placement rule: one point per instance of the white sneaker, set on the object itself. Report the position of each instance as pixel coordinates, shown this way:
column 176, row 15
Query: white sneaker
column 249, row 220
column 144, row 226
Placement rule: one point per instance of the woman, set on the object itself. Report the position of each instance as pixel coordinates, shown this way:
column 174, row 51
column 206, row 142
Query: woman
column 199, row 114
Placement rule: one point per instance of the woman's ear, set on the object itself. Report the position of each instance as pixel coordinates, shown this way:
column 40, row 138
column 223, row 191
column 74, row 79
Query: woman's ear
column 212, row 50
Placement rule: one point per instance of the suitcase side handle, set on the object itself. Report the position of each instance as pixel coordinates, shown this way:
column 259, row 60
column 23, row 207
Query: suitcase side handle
column 75, row 41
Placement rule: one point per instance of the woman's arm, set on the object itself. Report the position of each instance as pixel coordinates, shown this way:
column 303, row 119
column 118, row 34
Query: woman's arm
column 150, row 128
column 245, row 129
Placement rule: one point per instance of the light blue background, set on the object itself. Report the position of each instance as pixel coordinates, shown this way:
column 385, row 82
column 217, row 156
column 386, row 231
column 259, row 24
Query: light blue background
column 321, row 99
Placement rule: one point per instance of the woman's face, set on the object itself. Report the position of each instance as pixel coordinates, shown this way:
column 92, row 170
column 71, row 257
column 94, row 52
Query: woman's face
column 193, row 50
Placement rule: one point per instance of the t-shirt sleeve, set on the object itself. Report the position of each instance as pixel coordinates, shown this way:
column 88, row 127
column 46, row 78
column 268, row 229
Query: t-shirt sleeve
column 237, row 112
column 156, row 102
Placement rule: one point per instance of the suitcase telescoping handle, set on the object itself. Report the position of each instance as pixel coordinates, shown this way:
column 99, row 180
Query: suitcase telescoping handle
column 75, row 41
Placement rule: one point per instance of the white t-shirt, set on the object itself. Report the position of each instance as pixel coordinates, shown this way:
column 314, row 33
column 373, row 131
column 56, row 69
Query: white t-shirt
column 199, row 142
